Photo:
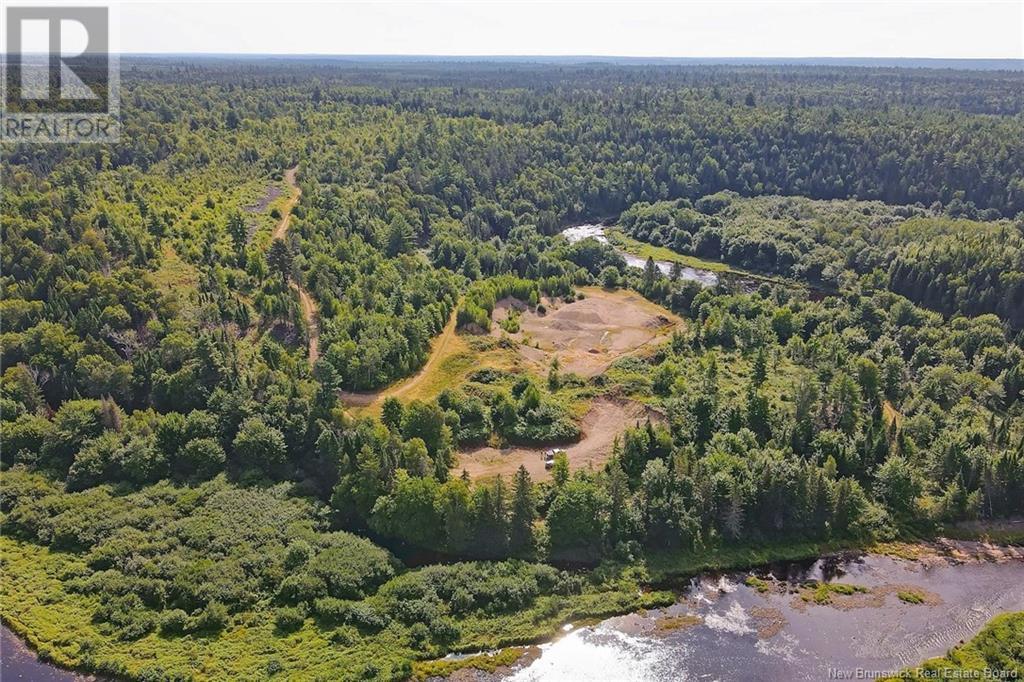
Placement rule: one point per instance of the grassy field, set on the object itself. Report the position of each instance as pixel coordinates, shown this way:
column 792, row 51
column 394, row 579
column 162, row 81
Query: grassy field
column 178, row 279
column 663, row 253
column 453, row 357
column 644, row 250
column 175, row 275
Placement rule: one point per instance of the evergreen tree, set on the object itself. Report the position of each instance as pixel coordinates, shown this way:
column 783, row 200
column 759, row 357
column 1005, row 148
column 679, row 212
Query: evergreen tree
column 280, row 259
column 524, row 512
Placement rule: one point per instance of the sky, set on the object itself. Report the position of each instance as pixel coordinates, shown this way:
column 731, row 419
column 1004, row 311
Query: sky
column 958, row 29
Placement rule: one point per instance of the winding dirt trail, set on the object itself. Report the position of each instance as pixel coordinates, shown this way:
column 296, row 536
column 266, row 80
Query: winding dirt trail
column 439, row 350
column 309, row 313
column 286, row 214
column 305, row 300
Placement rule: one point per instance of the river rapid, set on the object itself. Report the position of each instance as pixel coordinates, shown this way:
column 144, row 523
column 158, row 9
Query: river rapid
column 730, row 627
column 723, row 628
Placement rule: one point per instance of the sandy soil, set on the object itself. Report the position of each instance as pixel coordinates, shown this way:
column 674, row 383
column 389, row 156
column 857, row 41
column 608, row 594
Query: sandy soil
column 589, row 335
column 606, row 419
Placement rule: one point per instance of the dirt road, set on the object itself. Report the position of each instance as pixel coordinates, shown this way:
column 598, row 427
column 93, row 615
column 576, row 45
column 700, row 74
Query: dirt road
column 286, row 213
column 606, row 419
column 309, row 313
column 438, row 352
column 306, row 303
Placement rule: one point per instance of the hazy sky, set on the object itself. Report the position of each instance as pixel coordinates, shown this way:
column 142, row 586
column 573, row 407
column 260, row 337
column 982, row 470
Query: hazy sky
column 786, row 28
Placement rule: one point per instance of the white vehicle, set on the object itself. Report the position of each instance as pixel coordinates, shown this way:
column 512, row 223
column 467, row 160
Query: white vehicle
column 549, row 457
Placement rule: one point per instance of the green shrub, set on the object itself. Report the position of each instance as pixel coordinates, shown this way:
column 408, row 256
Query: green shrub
column 173, row 622
column 289, row 618
column 301, row 587
column 345, row 636
column 211, row 618
column 333, row 611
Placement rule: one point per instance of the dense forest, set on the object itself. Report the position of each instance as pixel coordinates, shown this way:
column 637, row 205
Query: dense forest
column 180, row 474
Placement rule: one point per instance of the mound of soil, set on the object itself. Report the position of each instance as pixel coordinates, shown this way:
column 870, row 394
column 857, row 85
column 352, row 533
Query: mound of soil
column 590, row 334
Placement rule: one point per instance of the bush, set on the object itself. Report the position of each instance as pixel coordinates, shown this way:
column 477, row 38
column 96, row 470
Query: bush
column 201, row 458
column 365, row 617
column 214, row 616
column 419, row 635
column 173, row 622
column 444, row 631
column 289, row 618
column 351, row 567
column 415, row 611
column 301, row 587
column 345, row 636
column 610, row 278
column 128, row 616
column 298, row 554
column 488, row 375
column 910, row 597
column 332, row 611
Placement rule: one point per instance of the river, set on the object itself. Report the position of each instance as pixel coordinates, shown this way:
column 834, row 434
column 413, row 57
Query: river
column 723, row 629
column 706, row 278
column 18, row 662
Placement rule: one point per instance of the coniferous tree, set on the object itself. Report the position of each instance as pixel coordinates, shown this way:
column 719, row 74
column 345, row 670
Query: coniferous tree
column 524, row 512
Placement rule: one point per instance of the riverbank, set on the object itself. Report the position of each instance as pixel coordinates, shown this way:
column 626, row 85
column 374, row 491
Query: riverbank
column 787, row 621
column 58, row 623
column 969, row 543
column 19, row 662
column 42, row 607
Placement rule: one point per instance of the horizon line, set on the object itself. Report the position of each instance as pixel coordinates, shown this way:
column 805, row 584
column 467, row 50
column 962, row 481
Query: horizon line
column 396, row 55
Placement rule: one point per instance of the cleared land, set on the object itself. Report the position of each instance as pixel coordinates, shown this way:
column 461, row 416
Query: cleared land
column 588, row 335
column 263, row 202
column 453, row 357
column 606, row 419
